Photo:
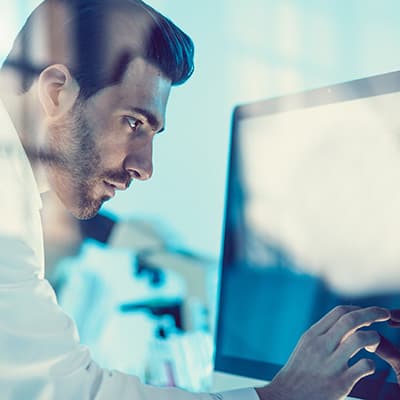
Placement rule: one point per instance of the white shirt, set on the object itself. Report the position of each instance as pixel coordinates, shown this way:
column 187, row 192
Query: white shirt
column 40, row 354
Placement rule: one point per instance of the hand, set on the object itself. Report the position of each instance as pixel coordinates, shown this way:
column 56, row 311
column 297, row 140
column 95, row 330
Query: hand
column 387, row 350
column 318, row 367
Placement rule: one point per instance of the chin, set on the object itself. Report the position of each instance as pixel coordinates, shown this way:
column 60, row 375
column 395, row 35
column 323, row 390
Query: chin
column 87, row 210
column 84, row 214
column 83, row 202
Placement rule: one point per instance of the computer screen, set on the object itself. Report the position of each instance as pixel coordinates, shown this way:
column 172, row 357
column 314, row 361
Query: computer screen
column 312, row 221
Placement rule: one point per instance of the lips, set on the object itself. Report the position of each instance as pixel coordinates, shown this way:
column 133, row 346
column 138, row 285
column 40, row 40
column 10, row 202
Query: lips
column 109, row 188
column 118, row 184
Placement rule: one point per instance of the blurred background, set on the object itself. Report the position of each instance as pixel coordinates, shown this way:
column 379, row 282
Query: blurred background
column 165, row 259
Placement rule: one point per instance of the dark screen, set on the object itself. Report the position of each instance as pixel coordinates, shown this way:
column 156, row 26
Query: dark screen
column 312, row 221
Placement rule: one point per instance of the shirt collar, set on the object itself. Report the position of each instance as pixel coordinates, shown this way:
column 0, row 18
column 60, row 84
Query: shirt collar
column 16, row 152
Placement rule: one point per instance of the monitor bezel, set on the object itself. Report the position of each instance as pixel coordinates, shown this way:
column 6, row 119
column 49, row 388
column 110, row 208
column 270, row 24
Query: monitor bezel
column 341, row 92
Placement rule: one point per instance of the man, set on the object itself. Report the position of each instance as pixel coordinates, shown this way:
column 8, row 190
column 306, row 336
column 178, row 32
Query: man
column 85, row 88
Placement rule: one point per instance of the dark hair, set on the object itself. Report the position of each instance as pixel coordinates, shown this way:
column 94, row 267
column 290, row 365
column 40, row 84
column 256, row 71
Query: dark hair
column 165, row 45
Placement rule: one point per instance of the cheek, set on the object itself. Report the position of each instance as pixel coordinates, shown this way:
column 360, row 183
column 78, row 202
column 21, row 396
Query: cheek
column 111, row 141
column 112, row 152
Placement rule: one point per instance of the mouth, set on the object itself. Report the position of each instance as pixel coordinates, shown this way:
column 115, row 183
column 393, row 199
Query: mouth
column 109, row 189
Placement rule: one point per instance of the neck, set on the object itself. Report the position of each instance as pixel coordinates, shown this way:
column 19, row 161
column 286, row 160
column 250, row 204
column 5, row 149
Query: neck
column 22, row 109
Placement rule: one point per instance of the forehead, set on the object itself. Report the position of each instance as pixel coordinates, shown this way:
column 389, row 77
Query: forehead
column 143, row 87
column 145, row 81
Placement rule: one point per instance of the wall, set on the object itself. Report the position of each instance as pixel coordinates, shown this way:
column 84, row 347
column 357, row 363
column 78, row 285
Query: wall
column 246, row 50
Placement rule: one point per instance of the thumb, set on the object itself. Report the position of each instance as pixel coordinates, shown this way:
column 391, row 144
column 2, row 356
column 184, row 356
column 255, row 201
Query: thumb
column 388, row 352
column 394, row 318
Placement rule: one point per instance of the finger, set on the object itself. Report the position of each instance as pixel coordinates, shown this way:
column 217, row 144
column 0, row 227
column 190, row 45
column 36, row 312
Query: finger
column 354, row 343
column 359, row 370
column 390, row 354
column 353, row 320
column 395, row 315
column 394, row 318
column 394, row 324
column 325, row 323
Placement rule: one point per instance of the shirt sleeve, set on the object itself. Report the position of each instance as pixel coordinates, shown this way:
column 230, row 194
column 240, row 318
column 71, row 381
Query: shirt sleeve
column 41, row 355
column 240, row 394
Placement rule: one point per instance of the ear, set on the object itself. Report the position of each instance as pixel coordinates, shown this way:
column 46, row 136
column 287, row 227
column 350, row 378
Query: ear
column 57, row 90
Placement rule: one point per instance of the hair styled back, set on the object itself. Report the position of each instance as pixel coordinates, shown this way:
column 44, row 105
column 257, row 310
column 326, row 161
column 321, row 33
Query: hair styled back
column 96, row 40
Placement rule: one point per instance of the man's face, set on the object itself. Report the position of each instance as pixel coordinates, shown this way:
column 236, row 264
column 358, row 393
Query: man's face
column 106, row 141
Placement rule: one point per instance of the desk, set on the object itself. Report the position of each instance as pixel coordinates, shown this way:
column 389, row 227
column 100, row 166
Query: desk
column 222, row 382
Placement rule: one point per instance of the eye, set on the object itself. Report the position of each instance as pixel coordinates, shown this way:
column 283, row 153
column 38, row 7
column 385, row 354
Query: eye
column 133, row 123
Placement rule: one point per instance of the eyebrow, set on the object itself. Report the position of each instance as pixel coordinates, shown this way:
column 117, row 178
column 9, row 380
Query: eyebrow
column 151, row 118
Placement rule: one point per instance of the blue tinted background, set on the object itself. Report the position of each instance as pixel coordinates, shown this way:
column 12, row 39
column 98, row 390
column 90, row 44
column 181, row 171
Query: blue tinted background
column 246, row 50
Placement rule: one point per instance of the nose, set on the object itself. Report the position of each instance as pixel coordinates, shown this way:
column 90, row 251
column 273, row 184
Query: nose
column 139, row 162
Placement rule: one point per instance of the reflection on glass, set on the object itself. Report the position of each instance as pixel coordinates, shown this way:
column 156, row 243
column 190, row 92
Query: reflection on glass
column 313, row 221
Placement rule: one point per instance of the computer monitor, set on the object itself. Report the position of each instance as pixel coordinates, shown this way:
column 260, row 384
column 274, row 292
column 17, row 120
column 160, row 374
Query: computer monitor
column 312, row 221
